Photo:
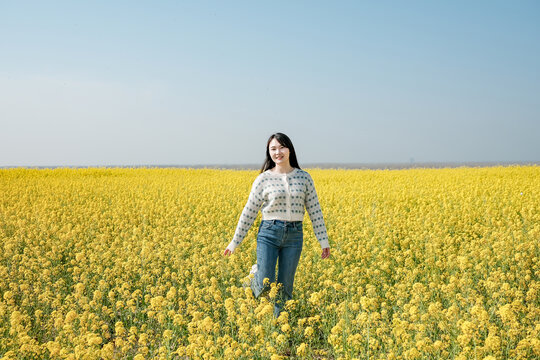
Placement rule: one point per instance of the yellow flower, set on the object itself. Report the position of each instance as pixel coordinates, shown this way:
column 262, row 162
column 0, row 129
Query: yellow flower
column 493, row 342
column 54, row 348
column 94, row 339
column 301, row 350
column 171, row 294
column 70, row 316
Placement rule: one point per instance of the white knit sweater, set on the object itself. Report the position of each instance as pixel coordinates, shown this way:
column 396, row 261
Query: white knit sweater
column 282, row 197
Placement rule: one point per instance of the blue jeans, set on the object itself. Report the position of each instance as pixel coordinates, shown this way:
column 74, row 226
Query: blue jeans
column 281, row 242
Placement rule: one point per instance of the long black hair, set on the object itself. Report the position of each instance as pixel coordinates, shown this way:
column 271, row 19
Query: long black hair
column 285, row 141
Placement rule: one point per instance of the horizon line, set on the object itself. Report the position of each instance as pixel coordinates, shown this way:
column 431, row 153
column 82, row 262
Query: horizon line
column 322, row 165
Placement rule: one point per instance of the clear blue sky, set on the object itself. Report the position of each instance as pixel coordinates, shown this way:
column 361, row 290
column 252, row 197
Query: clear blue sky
column 206, row 82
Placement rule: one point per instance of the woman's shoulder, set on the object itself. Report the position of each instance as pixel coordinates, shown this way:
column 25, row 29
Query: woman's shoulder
column 263, row 177
column 302, row 174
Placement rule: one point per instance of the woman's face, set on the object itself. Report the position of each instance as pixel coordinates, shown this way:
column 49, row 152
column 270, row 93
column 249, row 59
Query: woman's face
column 278, row 152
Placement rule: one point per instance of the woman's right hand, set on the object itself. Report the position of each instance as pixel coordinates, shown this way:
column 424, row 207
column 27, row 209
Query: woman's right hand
column 325, row 253
column 227, row 252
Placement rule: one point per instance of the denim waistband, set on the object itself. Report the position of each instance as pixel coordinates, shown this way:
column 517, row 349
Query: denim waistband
column 284, row 222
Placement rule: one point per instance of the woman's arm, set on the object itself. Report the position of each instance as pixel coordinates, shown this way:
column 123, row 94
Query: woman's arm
column 315, row 214
column 248, row 216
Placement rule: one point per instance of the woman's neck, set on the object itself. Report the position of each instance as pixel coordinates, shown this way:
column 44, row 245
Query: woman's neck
column 283, row 169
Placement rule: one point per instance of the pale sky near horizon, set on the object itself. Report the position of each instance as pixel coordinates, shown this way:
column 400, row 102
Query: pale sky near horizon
column 86, row 83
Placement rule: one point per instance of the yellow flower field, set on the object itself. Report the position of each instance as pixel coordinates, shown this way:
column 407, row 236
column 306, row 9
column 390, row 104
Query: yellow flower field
column 127, row 264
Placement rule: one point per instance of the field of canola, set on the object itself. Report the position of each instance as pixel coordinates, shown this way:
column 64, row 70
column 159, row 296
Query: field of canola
column 127, row 264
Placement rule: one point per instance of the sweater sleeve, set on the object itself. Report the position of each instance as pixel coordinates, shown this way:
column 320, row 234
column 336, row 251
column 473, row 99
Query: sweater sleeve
column 249, row 214
column 315, row 214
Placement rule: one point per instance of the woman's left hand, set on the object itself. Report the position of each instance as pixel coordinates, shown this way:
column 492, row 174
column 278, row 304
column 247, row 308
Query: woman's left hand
column 325, row 253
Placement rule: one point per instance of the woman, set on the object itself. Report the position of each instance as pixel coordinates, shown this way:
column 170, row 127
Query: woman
column 283, row 190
